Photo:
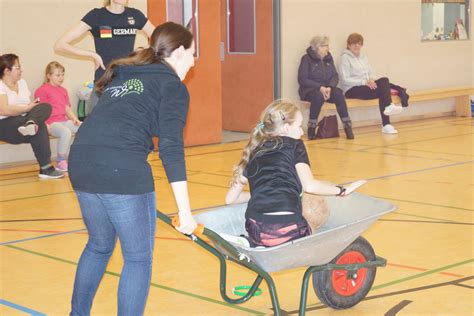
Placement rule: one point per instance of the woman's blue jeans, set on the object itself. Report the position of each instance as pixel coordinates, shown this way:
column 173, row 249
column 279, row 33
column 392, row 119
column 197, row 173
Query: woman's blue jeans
column 131, row 218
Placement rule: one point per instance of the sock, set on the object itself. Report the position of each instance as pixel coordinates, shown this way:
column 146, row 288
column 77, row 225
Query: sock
column 46, row 167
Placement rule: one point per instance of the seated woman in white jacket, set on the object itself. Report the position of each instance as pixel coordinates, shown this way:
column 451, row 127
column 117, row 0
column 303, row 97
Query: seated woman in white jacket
column 358, row 81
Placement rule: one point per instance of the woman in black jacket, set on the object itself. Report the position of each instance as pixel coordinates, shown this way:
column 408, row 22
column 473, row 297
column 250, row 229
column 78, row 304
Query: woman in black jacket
column 318, row 79
column 142, row 96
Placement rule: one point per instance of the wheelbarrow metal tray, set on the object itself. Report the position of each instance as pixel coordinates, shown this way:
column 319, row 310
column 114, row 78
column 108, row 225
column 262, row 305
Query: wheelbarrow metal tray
column 350, row 217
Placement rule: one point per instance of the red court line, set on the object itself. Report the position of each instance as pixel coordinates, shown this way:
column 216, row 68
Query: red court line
column 422, row 269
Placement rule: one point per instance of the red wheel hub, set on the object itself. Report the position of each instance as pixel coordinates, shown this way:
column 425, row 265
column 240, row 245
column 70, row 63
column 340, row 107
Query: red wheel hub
column 345, row 282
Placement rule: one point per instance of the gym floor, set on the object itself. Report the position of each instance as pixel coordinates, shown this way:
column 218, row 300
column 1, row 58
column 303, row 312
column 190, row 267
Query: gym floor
column 426, row 171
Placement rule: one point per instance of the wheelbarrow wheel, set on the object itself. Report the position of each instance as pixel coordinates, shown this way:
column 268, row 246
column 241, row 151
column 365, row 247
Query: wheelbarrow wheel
column 340, row 289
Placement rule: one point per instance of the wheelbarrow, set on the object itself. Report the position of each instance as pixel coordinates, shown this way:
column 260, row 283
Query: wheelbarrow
column 341, row 262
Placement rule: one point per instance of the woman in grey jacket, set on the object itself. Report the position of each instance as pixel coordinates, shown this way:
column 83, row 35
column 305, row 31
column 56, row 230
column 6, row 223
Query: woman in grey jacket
column 318, row 79
column 358, row 82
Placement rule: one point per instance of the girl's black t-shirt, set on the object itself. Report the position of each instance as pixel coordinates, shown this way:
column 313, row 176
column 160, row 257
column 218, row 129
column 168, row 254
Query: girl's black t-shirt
column 114, row 34
column 273, row 180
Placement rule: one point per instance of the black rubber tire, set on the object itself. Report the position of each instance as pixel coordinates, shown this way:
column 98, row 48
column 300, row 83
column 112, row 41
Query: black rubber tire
column 322, row 282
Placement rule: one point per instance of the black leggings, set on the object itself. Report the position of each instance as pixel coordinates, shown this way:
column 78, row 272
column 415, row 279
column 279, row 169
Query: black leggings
column 382, row 92
column 39, row 142
column 317, row 100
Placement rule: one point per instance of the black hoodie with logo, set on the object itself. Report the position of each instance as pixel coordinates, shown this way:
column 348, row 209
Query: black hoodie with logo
column 110, row 150
column 315, row 72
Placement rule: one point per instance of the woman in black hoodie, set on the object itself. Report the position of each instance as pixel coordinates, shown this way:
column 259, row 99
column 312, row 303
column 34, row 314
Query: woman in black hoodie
column 318, row 79
column 142, row 96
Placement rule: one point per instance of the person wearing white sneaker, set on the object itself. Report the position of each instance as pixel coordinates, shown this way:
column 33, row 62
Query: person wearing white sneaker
column 393, row 109
column 23, row 121
column 389, row 129
column 358, row 81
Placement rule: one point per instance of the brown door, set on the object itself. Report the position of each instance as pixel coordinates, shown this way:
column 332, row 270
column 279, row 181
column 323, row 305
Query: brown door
column 204, row 123
column 228, row 90
column 247, row 74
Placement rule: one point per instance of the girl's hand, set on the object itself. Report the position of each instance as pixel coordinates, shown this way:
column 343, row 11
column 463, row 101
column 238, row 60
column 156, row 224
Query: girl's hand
column 354, row 186
column 76, row 122
column 187, row 224
column 98, row 61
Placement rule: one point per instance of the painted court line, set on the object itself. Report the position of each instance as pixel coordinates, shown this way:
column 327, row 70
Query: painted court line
column 57, row 233
column 40, row 237
column 425, row 217
column 419, row 275
column 37, row 196
column 163, row 287
column 418, row 141
column 425, row 222
column 424, row 203
column 421, row 269
column 83, row 231
column 421, row 170
column 457, row 282
column 41, row 220
column 21, row 308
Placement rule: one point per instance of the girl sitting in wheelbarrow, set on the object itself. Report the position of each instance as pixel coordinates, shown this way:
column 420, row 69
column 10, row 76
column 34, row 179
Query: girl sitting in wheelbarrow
column 275, row 164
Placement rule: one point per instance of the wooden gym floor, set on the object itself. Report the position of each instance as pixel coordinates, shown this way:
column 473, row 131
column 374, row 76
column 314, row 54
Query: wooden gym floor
column 426, row 170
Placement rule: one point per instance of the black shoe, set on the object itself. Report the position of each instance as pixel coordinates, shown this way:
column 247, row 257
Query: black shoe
column 348, row 130
column 403, row 95
column 311, row 132
column 50, row 173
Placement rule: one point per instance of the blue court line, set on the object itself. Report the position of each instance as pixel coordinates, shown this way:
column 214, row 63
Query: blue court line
column 40, row 237
column 21, row 308
column 84, row 229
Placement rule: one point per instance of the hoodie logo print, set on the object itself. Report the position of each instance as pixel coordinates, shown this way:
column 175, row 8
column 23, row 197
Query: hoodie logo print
column 128, row 87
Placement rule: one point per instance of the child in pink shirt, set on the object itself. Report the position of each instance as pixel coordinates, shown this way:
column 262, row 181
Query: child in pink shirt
column 62, row 122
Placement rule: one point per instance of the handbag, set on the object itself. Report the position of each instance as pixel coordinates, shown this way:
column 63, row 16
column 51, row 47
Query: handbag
column 327, row 127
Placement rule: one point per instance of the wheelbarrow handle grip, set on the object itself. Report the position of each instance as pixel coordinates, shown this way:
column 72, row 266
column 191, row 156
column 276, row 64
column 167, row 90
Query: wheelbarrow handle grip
column 199, row 231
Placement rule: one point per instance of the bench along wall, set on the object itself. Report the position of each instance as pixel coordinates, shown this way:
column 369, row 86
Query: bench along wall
column 392, row 42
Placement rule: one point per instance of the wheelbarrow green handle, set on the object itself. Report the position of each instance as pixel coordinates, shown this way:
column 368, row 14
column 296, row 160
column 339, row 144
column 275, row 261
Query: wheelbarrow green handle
column 174, row 221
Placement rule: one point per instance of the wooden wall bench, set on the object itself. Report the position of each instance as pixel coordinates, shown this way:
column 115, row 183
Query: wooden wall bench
column 460, row 94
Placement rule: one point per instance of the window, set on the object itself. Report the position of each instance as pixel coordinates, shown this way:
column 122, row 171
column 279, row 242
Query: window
column 241, row 26
column 185, row 12
column 445, row 20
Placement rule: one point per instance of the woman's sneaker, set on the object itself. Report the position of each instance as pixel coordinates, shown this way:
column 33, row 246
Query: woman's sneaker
column 393, row 109
column 50, row 173
column 389, row 129
column 61, row 165
column 29, row 129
